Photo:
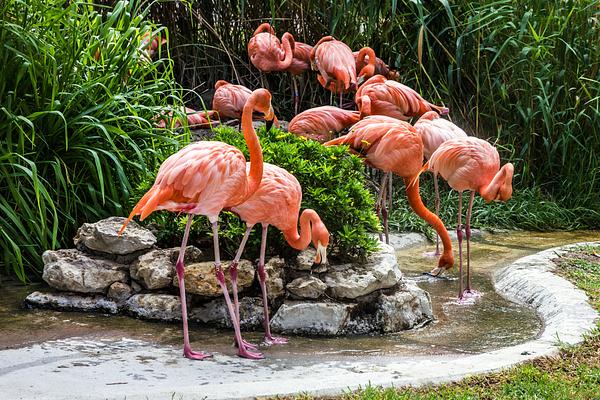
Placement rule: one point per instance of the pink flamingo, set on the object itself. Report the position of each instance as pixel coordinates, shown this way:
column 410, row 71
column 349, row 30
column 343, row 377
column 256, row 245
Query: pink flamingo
column 300, row 64
column 434, row 131
column 203, row 178
column 470, row 163
column 379, row 67
column 229, row 99
column 336, row 65
column 320, row 123
column 277, row 202
column 394, row 146
column 381, row 96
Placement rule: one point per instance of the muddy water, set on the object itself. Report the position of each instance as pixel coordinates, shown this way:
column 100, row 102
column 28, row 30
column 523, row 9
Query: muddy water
column 489, row 322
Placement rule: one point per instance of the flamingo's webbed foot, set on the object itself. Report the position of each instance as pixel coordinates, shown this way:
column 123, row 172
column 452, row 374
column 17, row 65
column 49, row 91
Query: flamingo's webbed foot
column 273, row 340
column 195, row 355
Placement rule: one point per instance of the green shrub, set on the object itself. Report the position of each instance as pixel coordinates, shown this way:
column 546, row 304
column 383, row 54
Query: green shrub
column 77, row 132
column 333, row 184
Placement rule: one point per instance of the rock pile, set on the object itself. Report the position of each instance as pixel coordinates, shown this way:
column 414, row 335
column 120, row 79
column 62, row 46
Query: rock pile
column 129, row 274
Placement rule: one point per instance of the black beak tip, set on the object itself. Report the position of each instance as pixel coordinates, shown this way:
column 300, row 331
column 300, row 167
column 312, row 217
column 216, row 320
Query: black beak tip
column 269, row 125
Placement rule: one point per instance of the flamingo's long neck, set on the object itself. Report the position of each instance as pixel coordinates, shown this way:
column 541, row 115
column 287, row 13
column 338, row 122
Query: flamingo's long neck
column 300, row 241
column 288, row 44
column 256, row 156
column 368, row 70
column 414, row 199
column 365, row 106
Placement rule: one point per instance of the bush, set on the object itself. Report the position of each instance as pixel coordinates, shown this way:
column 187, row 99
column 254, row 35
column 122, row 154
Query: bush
column 76, row 107
column 333, row 184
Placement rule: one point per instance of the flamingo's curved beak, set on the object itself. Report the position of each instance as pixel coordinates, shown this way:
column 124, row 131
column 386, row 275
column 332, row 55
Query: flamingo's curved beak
column 321, row 257
column 271, row 119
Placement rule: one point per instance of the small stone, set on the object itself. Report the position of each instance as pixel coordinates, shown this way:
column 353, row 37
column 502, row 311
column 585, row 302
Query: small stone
column 275, row 269
column 408, row 308
column 305, row 259
column 307, row 287
column 74, row 271
column 216, row 313
column 119, row 292
column 162, row 307
column 311, row 318
column 156, row 268
column 72, row 302
column 103, row 236
column 136, row 287
column 349, row 281
column 200, row 278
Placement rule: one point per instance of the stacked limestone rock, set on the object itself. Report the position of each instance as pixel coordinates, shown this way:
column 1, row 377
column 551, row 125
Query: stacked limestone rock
column 128, row 274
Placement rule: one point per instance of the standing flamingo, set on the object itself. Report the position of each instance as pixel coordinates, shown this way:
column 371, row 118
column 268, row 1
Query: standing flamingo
column 277, row 202
column 320, row 123
column 395, row 146
column 364, row 60
column 470, row 163
column 380, row 96
column 229, row 99
column 335, row 63
column 434, row 131
column 267, row 53
column 204, row 178
column 195, row 119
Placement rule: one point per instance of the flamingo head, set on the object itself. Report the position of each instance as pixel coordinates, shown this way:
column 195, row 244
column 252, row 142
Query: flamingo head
column 500, row 188
column 445, row 262
column 262, row 104
column 320, row 239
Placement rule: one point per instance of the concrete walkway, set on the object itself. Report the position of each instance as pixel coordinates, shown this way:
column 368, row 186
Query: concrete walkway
column 133, row 369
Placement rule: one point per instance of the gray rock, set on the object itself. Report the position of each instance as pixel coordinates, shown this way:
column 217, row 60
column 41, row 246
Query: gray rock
column 216, row 313
column 400, row 241
column 163, row 307
column 200, row 278
column 156, row 268
column 102, row 236
column 136, row 287
column 305, row 259
column 349, row 281
column 307, row 287
column 72, row 270
column 72, row 302
column 312, row 318
column 275, row 269
column 407, row 308
column 119, row 292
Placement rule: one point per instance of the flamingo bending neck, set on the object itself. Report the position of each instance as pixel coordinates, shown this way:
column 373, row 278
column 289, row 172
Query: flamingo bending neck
column 256, row 156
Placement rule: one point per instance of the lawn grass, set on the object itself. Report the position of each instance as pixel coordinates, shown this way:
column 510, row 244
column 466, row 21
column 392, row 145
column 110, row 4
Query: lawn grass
column 573, row 374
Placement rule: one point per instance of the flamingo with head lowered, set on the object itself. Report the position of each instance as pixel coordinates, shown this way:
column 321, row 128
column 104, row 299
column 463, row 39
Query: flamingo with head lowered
column 277, row 202
column 470, row 163
column 321, row 123
column 204, row 178
column 434, row 131
column 394, row 146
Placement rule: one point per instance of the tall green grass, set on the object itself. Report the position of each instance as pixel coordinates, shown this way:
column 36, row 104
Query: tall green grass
column 525, row 74
column 77, row 132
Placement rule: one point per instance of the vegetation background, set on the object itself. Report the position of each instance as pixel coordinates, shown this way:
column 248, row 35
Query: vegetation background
column 77, row 133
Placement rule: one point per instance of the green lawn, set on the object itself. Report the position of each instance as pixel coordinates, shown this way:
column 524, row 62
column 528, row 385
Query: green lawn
column 573, row 374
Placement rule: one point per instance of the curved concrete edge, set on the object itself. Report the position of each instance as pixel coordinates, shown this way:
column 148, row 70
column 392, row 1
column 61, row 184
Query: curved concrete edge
column 563, row 307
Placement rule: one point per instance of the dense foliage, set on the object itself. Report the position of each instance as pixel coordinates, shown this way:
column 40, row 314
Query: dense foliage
column 333, row 184
column 77, row 100
column 524, row 73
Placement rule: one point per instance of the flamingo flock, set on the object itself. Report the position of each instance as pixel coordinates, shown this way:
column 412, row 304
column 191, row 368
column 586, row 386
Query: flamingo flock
column 207, row 177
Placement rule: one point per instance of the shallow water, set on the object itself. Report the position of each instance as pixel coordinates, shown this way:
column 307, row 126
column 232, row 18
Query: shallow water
column 489, row 322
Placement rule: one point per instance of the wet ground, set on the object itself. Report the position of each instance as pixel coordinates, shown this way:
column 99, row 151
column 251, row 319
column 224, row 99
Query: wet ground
column 489, row 323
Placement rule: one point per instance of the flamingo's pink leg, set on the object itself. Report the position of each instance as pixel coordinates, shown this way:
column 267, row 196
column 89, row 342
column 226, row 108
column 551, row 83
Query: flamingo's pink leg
column 233, row 274
column 468, row 235
column 380, row 198
column 179, row 267
column 242, row 351
column 262, row 277
column 459, row 237
column 437, row 212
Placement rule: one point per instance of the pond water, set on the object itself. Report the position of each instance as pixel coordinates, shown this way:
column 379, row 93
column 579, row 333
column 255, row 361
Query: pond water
column 490, row 322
